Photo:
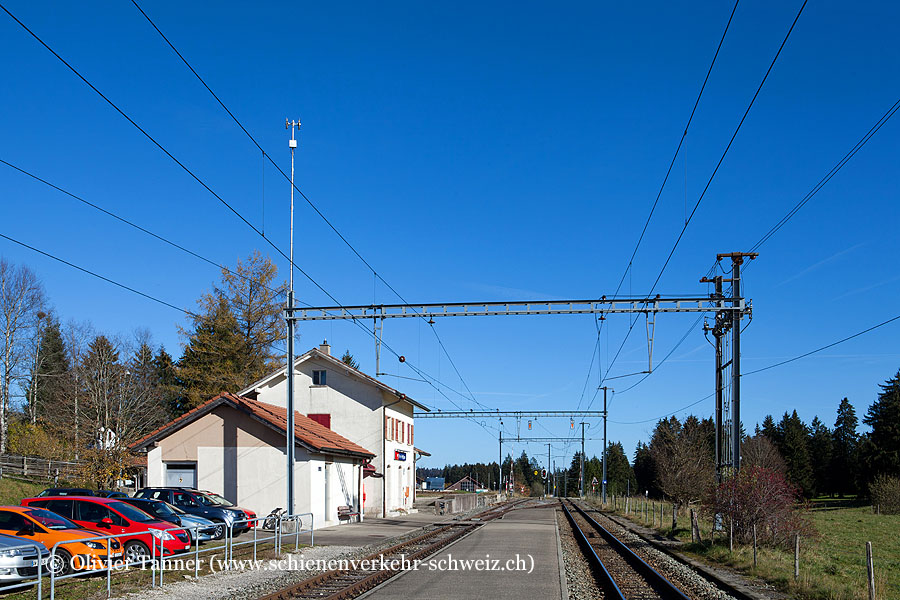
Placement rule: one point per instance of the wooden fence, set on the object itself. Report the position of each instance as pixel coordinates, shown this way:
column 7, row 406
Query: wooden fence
column 38, row 469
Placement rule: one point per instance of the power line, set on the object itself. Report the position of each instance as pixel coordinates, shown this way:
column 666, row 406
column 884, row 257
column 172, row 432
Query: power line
column 297, row 189
column 98, row 276
column 133, row 224
column 665, row 181
column 714, row 172
column 196, row 178
column 164, row 150
column 834, row 170
column 825, row 347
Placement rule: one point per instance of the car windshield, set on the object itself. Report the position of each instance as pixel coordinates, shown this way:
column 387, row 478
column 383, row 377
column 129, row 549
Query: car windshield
column 159, row 509
column 216, row 500
column 174, row 509
column 131, row 513
column 51, row 520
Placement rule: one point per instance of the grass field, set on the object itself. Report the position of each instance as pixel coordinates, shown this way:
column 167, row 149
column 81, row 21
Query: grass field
column 832, row 566
column 13, row 490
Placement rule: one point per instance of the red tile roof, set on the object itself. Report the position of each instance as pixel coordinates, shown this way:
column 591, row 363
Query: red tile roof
column 306, row 431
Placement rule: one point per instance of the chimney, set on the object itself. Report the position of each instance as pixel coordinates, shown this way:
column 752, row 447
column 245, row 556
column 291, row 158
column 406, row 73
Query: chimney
column 324, row 348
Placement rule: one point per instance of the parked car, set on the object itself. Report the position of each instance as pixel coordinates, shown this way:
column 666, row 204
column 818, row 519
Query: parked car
column 221, row 501
column 194, row 502
column 19, row 560
column 113, row 516
column 111, row 494
column 173, row 514
column 47, row 528
column 67, row 492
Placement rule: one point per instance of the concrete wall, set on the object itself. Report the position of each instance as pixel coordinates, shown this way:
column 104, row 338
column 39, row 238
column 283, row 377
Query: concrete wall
column 358, row 410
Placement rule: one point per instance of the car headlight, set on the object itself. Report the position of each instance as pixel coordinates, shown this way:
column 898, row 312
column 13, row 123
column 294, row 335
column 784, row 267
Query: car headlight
column 11, row 552
column 162, row 535
column 94, row 545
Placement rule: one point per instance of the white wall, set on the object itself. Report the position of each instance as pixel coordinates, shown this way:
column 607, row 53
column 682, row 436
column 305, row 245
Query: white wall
column 260, row 479
column 357, row 410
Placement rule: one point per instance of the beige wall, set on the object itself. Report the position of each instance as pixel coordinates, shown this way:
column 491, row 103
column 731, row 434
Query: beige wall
column 222, row 427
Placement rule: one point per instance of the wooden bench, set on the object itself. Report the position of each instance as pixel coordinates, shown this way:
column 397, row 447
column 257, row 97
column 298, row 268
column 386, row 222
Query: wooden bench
column 345, row 513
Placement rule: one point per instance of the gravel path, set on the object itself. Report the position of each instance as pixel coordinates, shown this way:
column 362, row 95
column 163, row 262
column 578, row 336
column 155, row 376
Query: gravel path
column 579, row 578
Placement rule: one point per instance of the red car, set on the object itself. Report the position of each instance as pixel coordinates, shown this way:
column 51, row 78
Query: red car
column 111, row 516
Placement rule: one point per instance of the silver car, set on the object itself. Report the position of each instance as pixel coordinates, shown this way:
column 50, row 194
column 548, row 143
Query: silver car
column 188, row 520
column 19, row 559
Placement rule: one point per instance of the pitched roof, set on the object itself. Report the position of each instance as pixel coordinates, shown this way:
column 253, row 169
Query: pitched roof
column 316, row 353
column 306, row 431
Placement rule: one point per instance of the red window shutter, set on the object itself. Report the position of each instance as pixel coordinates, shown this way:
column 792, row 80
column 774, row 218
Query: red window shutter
column 323, row 419
column 402, row 437
column 387, row 428
column 411, row 432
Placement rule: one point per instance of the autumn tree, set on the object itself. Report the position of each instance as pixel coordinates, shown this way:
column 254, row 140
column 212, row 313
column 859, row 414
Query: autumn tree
column 234, row 338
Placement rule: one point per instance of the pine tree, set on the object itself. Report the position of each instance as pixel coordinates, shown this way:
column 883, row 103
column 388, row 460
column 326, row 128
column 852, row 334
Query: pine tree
column 619, row 474
column 820, row 444
column 214, row 359
column 794, row 448
column 645, row 470
column 845, row 446
column 47, row 388
column 348, row 360
column 881, row 452
column 770, row 430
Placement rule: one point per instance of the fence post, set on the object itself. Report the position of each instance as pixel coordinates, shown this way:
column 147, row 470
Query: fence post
column 730, row 534
column 674, row 518
column 695, row 527
column 796, row 556
column 24, row 465
column 870, row 567
column 754, row 545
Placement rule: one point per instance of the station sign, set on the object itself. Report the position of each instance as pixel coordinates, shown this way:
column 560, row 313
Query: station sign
column 399, row 455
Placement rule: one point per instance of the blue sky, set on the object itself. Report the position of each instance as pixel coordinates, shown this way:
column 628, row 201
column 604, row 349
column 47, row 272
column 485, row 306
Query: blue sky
column 492, row 152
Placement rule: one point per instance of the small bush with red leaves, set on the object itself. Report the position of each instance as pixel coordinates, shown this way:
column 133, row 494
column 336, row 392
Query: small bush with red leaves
column 764, row 498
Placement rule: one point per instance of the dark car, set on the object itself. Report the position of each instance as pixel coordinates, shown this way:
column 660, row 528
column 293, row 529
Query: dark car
column 173, row 514
column 110, row 494
column 195, row 502
column 67, row 492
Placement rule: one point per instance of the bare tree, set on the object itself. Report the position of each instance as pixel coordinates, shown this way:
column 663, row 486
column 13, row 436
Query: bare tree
column 682, row 459
column 21, row 299
column 759, row 451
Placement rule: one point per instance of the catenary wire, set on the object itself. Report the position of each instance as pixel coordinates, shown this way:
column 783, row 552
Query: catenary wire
column 302, row 195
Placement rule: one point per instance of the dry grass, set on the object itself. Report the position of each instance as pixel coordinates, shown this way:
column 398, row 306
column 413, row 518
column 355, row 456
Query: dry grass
column 832, row 567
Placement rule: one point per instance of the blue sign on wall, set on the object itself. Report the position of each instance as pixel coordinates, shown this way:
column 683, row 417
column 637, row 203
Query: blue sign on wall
column 399, row 455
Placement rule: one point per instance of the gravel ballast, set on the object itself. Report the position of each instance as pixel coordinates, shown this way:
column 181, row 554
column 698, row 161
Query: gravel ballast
column 579, row 577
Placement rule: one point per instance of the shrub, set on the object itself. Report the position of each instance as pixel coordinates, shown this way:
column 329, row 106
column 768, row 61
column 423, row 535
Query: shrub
column 885, row 493
column 764, row 498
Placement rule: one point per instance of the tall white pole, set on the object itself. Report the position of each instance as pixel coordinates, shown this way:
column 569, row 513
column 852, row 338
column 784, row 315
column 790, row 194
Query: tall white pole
column 289, row 317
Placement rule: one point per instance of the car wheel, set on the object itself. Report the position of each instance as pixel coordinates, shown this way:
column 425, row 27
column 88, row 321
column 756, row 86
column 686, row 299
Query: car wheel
column 136, row 552
column 218, row 531
column 61, row 563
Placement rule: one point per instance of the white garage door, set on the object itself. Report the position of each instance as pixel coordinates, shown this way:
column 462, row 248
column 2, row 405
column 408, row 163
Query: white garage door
column 181, row 475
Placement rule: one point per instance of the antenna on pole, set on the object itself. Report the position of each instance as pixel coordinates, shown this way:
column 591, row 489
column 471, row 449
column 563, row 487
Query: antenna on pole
column 291, row 322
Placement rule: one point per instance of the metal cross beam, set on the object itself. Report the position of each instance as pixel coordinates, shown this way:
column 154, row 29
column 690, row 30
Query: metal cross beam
column 462, row 414
column 544, row 440
column 604, row 305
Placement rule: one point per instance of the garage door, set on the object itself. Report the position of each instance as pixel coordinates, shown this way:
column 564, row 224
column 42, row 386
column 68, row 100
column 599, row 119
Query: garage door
column 181, row 475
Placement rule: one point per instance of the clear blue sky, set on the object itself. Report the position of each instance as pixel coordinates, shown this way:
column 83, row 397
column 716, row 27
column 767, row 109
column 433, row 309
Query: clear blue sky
column 478, row 152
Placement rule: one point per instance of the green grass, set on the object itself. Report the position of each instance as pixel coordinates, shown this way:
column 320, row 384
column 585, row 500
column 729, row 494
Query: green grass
column 832, row 566
column 13, row 490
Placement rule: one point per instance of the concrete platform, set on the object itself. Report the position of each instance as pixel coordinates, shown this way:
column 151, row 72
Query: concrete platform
column 528, row 533
column 372, row 530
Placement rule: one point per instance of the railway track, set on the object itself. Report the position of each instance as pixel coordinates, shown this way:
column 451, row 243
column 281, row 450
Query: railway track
column 620, row 573
column 342, row 584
